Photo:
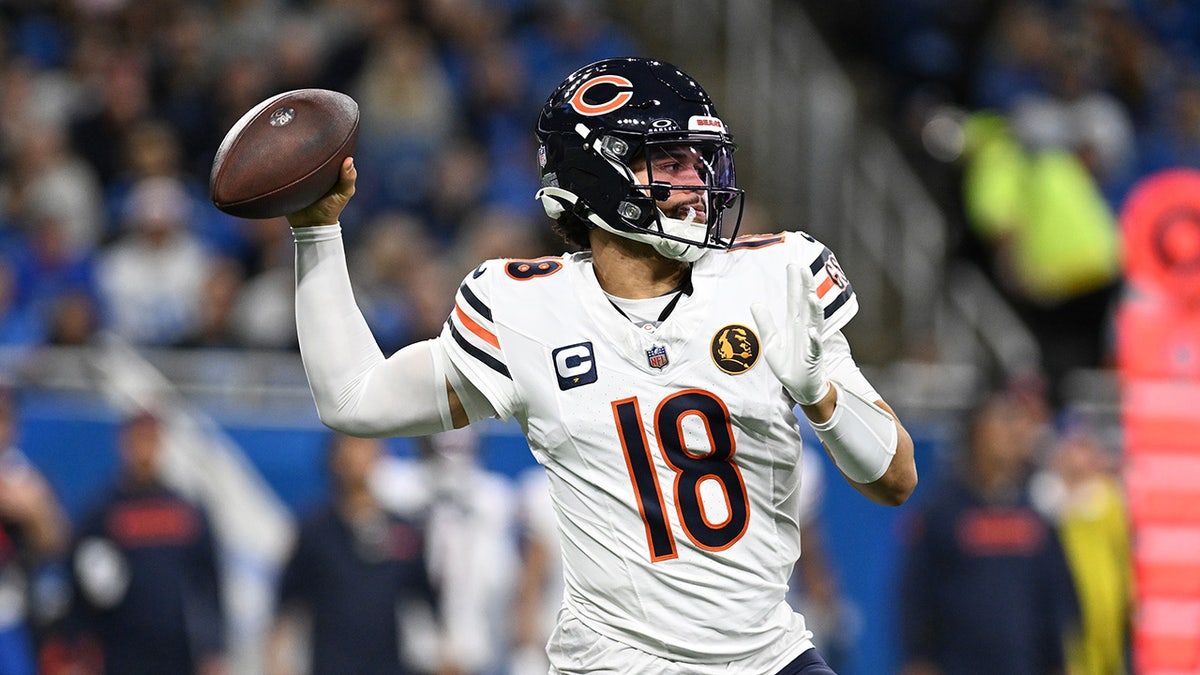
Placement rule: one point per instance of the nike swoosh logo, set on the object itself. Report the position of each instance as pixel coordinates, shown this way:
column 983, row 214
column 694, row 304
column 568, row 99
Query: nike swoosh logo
column 478, row 271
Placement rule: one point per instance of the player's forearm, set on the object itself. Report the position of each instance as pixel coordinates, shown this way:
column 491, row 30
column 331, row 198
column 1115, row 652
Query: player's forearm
column 356, row 390
column 897, row 483
column 867, row 443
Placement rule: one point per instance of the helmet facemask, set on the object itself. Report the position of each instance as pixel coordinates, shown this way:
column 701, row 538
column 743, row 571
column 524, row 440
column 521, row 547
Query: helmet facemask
column 675, row 195
column 691, row 183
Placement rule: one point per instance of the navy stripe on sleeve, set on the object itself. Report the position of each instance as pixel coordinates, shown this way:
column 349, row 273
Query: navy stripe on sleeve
column 840, row 300
column 820, row 261
column 478, row 353
column 474, row 301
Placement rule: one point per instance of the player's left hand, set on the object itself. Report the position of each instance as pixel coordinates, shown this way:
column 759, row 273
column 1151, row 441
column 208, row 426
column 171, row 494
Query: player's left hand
column 794, row 351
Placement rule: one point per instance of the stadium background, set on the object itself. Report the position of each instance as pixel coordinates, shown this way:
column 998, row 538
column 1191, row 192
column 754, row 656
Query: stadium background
column 831, row 104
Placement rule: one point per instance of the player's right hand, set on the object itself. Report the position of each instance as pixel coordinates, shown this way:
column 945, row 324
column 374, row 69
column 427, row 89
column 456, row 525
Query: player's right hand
column 327, row 209
column 794, row 351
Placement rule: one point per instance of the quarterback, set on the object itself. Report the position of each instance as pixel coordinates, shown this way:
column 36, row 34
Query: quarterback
column 655, row 375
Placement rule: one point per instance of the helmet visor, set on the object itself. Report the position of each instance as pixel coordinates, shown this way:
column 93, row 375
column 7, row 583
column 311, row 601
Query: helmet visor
column 694, row 182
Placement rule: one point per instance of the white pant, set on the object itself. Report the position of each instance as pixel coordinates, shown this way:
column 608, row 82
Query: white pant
column 575, row 649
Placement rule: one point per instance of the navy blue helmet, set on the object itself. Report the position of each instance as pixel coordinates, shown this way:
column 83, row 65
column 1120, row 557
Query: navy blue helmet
column 635, row 146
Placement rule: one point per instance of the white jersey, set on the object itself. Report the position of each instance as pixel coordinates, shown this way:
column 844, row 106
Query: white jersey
column 673, row 455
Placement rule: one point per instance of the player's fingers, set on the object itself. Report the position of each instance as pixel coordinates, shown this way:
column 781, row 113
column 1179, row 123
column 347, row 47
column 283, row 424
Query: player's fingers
column 766, row 325
column 327, row 210
column 816, row 314
column 347, row 178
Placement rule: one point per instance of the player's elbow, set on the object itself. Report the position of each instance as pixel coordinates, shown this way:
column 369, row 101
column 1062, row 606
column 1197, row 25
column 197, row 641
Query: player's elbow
column 341, row 421
column 896, row 486
column 900, row 480
column 371, row 421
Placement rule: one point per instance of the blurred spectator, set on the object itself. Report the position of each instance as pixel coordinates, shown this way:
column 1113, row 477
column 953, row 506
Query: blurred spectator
column 245, row 80
column 1053, row 239
column 52, row 276
column 1140, row 71
column 458, row 179
column 920, row 44
column 1081, row 492
column 263, row 313
column 152, row 278
column 51, row 183
column 408, row 114
column 499, row 105
column 1077, row 114
column 216, row 326
column 33, row 532
column 300, row 51
column 73, row 319
column 540, row 589
column 145, row 570
column 31, row 94
column 986, row 588
column 185, row 65
column 1174, row 23
column 500, row 233
column 352, row 567
column 120, row 97
column 153, row 149
column 393, row 251
column 1016, row 58
column 472, row 551
column 431, row 282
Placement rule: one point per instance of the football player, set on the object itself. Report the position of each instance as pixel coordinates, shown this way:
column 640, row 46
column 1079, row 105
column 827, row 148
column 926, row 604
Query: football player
column 655, row 375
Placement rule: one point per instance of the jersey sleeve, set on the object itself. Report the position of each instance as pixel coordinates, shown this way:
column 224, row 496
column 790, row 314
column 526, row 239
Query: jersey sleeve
column 834, row 290
column 471, row 338
column 843, row 369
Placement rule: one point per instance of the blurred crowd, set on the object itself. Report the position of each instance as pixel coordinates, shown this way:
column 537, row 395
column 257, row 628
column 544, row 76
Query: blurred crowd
column 112, row 111
column 1031, row 120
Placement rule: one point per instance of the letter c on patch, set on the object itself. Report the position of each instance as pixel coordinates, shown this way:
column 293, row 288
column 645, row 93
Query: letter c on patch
column 574, row 365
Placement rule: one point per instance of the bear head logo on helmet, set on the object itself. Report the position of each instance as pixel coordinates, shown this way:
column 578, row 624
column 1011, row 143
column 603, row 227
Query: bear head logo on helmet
column 635, row 146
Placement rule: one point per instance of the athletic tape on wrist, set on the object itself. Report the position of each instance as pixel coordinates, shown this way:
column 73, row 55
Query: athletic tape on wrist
column 317, row 233
column 860, row 435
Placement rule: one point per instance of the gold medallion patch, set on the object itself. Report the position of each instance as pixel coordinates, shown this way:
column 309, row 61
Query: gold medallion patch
column 735, row 349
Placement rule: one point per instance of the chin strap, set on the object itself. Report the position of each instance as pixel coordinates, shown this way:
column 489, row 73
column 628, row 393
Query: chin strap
column 557, row 202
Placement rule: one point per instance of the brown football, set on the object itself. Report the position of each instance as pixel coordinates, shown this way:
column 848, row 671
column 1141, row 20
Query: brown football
column 284, row 154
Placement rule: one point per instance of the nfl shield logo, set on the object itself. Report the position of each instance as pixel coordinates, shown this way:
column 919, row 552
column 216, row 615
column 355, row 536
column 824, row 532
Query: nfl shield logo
column 657, row 356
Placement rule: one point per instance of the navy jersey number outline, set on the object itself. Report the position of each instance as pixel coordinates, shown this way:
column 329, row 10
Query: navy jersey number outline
column 524, row 270
column 691, row 470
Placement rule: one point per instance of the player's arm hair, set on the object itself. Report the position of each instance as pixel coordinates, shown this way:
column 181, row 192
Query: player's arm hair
column 356, row 389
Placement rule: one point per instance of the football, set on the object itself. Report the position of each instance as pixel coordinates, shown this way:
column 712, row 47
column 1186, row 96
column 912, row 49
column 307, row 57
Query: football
column 284, row 153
